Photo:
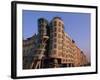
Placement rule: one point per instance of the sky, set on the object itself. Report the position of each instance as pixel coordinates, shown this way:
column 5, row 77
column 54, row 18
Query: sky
column 77, row 26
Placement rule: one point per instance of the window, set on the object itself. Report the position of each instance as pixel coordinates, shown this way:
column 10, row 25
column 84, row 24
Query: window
column 63, row 31
column 55, row 46
column 51, row 40
column 51, row 29
column 55, row 40
column 43, row 32
column 66, row 51
column 55, row 51
column 59, row 23
column 59, row 54
column 50, row 46
column 55, row 23
column 63, row 40
column 41, row 21
column 62, row 36
column 63, row 26
column 59, row 41
column 59, row 35
column 63, row 55
column 51, row 35
column 55, row 29
column 59, row 29
column 60, row 47
column 42, row 27
column 73, row 41
column 55, row 34
column 64, row 60
column 69, row 64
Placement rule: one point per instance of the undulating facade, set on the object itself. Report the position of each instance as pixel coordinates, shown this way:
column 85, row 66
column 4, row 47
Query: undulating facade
column 51, row 47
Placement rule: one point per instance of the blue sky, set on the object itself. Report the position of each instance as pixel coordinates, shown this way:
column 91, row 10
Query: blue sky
column 77, row 26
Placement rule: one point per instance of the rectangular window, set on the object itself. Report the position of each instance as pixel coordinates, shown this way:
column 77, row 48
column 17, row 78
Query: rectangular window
column 55, row 51
column 59, row 29
column 55, row 29
column 55, row 40
column 60, row 47
column 59, row 41
column 55, row 23
column 55, row 46
column 51, row 35
column 59, row 23
column 59, row 35
column 55, row 34
column 51, row 30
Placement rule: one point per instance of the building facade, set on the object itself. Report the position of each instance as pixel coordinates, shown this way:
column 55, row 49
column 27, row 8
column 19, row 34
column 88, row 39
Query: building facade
column 60, row 49
column 29, row 45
